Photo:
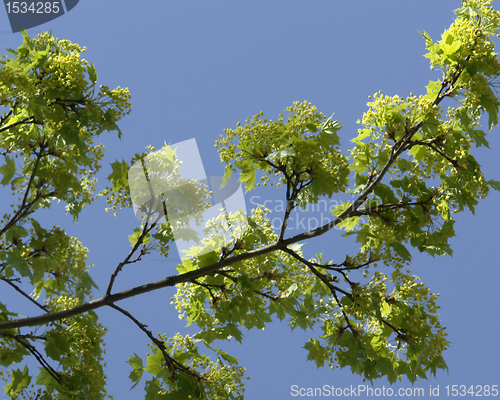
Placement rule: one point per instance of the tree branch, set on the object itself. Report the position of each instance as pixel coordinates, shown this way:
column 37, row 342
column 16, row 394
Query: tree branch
column 321, row 276
column 172, row 363
column 397, row 149
column 25, row 207
column 120, row 266
column 4, row 118
column 35, row 353
column 25, row 294
column 23, row 121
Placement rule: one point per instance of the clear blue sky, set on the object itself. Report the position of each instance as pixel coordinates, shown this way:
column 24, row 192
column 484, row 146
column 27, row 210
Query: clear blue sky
column 196, row 67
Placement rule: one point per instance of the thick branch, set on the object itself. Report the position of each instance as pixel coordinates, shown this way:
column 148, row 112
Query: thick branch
column 209, row 269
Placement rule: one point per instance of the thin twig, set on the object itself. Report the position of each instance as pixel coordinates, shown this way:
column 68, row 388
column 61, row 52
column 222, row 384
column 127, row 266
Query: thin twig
column 25, row 295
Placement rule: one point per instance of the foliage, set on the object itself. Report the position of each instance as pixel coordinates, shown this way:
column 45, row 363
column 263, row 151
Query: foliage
column 47, row 135
column 410, row 170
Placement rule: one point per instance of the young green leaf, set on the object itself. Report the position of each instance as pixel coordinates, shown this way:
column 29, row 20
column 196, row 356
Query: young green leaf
column 7, row 170
column 137, row 369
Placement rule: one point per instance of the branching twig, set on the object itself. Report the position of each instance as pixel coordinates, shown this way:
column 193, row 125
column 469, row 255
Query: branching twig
column 172, row 363
column 126, row 261
column 235, row 280
column 321, row 276
column 24, row 208
column 430, row 144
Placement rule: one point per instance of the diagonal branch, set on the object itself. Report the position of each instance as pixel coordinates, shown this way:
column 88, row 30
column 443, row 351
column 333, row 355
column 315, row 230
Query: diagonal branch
column 23, row 121
column 398, row 148
column 172, row 363
column 25, row 294
column 321, row 276
column 35, row 353
column 126, row 261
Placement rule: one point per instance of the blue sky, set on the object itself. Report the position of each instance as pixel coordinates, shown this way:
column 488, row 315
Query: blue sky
column 194, row 68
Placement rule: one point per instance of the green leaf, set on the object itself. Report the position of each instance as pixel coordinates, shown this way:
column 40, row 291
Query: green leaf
column 137, row 369
column 312, row 127
column 65, row 180
column 281, row 154
column 404, row 165
column 418, row 152
column 9, row 357
column 328, row 136
column 92, row 73
column 154, row 362
column 45, row 379
column 136, row 235
column 428, row 40
column 13, row 52
column 207, row 259
column 17, row 261
column 119, row 176
column 349, row 223
column 56, row 345
column 232, row 330
column 86, row 281
column 440, row 363
column 258, row 319
column 108, row 123
column 489, row 103
column 494, row 184
column 247, row 176
column 376, row 307
column 26, row 39
column 340, row 209
column 300, row 318
column 478, row 136
column 362, row 135
column 20, row 381
column 153, row 390
column 227, row 175
column 8, row 170
column 385, row 193
column 401, row 250
column 291, row 290
column 317, row 353
column 223, row 354
column 195, row 310
column 296, row 247
column 16, row 232
column 433, row 89
column 186, row 266
column 466, row 11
